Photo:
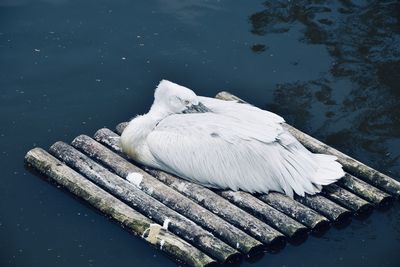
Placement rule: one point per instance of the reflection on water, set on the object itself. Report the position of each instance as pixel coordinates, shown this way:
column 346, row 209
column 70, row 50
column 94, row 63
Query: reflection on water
column 360, row 92
column 186, row 11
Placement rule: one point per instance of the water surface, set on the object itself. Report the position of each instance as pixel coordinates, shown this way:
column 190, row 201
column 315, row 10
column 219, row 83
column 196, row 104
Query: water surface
column 70, row 67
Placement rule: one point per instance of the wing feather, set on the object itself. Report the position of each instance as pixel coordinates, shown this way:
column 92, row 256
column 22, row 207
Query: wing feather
column 270, row 123
column 219, row 151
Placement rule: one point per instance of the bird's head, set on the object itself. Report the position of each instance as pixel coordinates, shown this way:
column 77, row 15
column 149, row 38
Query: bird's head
column 177, row 99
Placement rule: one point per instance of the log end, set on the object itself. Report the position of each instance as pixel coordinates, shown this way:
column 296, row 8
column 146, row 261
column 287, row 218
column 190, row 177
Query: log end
column 30, row 153
column 299, row 236
column 386, row 202
column 233, row 259
column 364, row 211
column 120, row 127
column 343, row 217
column 212, row 264
column 321, row 227
column 278, row 243
column 256, row 251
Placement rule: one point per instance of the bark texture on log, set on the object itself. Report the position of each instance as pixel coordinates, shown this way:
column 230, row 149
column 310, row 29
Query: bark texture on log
column 145, row 204
column 209, row 200
column 270, row 215
column 289, row 207
column 169, row 197
column 277, row 219
column 224, row 209
column 121, row 126
column 365, row 190
column 296, row 210
column 350, row 164
column 134, row 221
column 347, row 199
column 326, row 207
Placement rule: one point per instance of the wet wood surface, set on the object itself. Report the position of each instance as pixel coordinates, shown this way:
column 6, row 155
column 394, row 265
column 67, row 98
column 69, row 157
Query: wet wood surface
column 134, row 221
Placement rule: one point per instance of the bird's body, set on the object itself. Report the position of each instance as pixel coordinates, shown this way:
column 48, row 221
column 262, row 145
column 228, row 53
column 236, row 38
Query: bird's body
column 224, row 144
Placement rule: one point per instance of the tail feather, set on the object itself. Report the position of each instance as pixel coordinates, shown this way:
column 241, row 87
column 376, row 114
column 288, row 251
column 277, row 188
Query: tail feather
column 304, row 172
column 329, row 170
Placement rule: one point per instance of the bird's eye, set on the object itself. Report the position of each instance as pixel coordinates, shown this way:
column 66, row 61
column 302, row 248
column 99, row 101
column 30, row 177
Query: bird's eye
column 186, row 102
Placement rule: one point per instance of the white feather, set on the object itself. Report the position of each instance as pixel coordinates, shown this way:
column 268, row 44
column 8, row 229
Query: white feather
column 234, row 146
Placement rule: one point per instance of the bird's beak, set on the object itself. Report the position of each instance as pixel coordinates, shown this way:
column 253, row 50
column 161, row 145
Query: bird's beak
column 199, row 108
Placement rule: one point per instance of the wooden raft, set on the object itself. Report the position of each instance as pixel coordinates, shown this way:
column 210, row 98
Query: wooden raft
column 198, row 226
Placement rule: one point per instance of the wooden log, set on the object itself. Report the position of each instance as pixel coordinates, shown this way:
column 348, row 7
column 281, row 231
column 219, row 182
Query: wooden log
column 326, row 207
column 365, row 190
column 169, row 197
column 121, row 126
column 347, row 199
column 212, row 201
column 135, row 222
column 219, row 206
column 350, row 164
column 312, row 219
column 224, row 209
column 277, row 219
column 340, row 196
column 296, row 210
column 145, row 204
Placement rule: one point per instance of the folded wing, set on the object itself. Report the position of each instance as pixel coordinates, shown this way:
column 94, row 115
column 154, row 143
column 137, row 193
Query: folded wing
column 226, row 152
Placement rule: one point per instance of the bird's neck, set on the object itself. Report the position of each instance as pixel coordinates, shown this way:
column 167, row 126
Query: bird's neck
column 135, row 134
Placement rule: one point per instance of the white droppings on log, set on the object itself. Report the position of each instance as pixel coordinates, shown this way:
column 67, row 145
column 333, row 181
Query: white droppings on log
column 237, row 198
column 182, row 187
column 162, row 244
column 151, row 190
column 135, row 178
column 166, row 223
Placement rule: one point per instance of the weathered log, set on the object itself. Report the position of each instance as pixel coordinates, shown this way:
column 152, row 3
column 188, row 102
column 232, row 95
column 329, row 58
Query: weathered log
column 347, row 199
column 169, row 197
column 326, row 207
column 277, row 219
column 121, row 126
column 216, row 204
column 310, row 218
column 211, row 201
column 365, row 190
column 350, row 164
column 313, row 220
column 340, row 196
column 145, row 204
column 138, row 224
column 223, row 208
column 296, row 210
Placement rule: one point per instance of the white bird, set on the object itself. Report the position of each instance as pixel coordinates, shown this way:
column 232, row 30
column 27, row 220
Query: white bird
column 224, row 144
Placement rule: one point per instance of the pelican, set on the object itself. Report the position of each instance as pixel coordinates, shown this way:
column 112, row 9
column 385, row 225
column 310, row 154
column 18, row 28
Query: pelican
column 224, row 145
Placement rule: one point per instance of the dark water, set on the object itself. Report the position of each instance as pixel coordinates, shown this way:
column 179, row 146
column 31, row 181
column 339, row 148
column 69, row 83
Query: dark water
column 330, row 68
